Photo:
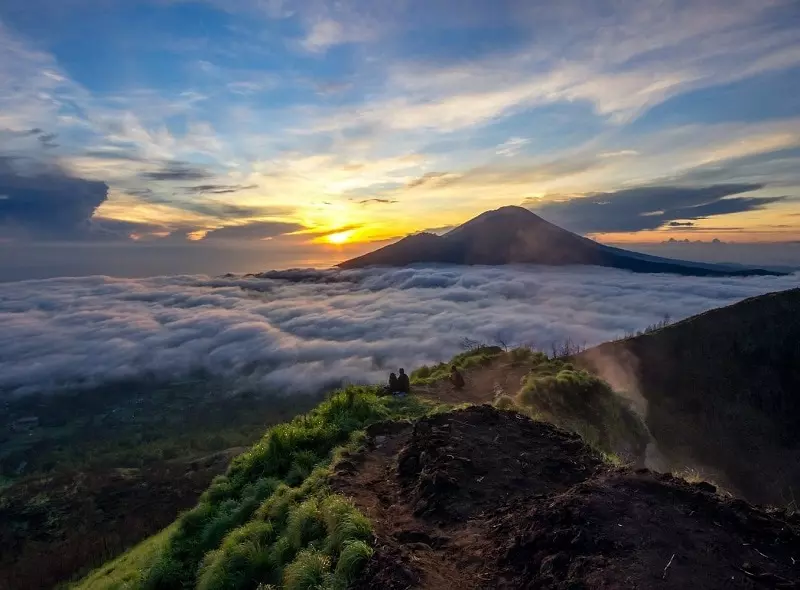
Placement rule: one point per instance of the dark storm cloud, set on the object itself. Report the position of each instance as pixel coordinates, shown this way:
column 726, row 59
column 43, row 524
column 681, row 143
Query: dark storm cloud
column 46, row 203
column 254, row 231
column 177, row 171
column 652, row 207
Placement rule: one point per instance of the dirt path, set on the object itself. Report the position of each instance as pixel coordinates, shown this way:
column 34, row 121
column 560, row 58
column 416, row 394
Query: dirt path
column 482, row 384
column 479, row 498
column 429, row 489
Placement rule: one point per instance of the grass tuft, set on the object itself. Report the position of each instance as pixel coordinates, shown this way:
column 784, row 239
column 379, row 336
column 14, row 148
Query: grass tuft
column 352, row 560
column 310, row 570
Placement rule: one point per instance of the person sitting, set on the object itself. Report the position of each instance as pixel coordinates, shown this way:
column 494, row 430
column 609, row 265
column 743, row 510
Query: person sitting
column 456, row 378
column 403, row 384
column 393, row 384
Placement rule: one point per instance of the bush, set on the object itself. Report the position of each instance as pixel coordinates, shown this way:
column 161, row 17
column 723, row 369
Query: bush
column 305, row 524
column 243, row 557
column 352, row 560
column 583, row 403
column 343, row 523
column 310, row 570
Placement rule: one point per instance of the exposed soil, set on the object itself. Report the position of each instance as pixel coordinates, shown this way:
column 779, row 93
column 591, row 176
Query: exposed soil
column 481, row 384
column 480, row 498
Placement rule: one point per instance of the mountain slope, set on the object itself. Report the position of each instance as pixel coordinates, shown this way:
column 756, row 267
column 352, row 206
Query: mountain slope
column 721, row 390
column 514, row 235
column 479, row 498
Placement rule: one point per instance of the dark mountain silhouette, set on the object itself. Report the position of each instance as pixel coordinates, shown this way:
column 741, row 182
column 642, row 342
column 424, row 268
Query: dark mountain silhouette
column 515, row 235
column 721, row 390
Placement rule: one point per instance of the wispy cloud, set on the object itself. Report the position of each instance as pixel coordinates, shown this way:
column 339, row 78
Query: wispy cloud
column 447, row 107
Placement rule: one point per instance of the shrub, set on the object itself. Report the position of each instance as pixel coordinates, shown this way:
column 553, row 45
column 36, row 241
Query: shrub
column 585, row 404
column 305, row 524
column 310, row 570
column 352, row 560
column 302, row 466
column 343, row 523
column 243, row 557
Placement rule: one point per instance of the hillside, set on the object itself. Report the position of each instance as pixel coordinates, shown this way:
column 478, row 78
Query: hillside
column 721, row 391
column 370, row 491
column 514, row 235
column 109, row 466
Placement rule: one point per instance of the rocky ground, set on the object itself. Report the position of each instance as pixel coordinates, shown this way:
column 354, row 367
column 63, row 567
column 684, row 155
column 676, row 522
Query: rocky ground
column 481, row 498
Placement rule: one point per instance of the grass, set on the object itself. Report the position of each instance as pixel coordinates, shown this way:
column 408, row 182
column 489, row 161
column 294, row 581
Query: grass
column 476, row 357
column 125, row 572
column 574, row 399
column 272, row 519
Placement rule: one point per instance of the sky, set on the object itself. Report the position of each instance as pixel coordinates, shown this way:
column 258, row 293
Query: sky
column 170, row 136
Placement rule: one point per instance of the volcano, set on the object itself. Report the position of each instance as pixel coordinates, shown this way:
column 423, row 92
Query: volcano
column 515, row 235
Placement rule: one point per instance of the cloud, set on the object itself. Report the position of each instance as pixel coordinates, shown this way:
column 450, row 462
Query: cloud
column 46, row 202
column 429, row 178
column 48, row 140
column 259, row 230
column 295, row 331
column 219, row 189
column 646, row 208
column 177, row 171
column 512, row 146
column 680, row 224
column 377, row 201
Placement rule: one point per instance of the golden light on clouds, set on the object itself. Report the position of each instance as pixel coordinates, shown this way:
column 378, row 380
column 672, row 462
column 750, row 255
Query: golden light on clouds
column 341, row 237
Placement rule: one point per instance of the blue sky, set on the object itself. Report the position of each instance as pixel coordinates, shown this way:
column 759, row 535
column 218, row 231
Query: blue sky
column 317, row 127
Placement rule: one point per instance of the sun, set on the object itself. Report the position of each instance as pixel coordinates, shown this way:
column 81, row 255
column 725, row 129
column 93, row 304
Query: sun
column 341, row 237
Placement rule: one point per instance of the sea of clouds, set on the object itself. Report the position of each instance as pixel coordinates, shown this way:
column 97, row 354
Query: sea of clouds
column 297, row 331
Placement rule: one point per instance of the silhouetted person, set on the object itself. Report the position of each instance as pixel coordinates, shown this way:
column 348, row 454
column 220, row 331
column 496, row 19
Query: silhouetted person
column 394, row 386
column 456, row 378
column 403, row 384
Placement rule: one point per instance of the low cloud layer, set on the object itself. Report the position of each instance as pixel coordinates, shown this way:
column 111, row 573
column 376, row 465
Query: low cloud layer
column 296, row 331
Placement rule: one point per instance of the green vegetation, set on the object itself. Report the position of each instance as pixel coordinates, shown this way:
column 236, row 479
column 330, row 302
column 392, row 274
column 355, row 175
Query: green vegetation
column 576, row 400
column 134, row 425
column 124, row 572
column 271, row 518
column 271, row 521
column 475, row 357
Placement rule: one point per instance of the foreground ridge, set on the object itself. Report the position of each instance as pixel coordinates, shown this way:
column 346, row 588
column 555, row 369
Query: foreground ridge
column 482, row 498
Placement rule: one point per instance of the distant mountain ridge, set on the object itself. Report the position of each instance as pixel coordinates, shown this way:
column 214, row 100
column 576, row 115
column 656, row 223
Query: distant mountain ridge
column 515, row 235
